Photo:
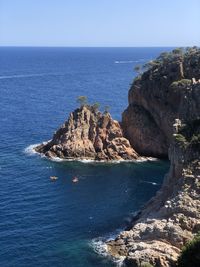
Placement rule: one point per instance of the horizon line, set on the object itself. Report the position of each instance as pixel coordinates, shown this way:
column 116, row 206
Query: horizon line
column 46, row 46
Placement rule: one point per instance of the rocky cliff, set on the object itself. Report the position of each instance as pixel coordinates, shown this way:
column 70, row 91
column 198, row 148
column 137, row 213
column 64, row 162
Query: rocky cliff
column 163, row 118
column 161, row 94
column 89, row 134
column 172, row 217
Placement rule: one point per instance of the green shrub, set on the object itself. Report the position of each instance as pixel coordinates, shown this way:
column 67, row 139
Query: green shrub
column 178, row 51
column 183, row 82
column 106, row 109
column 96, row 106
column 191, row 132
column 190, row 255
column 138, row 69
column 195, row 139
column 82, row 100
column 180, row 138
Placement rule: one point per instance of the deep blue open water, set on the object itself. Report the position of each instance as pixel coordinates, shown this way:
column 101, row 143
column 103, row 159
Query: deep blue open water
column 45, row 223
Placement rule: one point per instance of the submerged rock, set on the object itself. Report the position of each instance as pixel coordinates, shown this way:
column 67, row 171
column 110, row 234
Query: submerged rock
column 89, row 134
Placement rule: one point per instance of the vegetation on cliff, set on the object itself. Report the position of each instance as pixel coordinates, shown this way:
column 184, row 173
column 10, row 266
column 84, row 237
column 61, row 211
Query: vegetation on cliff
column 167, row 89
column 190, row 254
column 163, row 119
column 189, row 135
column 188, row 60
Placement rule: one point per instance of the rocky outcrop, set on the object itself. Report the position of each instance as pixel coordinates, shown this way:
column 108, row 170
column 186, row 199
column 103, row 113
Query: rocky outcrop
column 168, row 92
column 172, row 217
column 159, row 96
column 89, row 134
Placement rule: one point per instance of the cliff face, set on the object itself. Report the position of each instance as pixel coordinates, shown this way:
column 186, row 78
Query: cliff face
column 172, row 217
column 89, row 134
column 166, row 93
column 159, row 96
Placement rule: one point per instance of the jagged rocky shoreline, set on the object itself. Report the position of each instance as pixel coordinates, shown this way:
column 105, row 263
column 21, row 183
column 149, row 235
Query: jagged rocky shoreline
column 169, row 219
column 162, row 120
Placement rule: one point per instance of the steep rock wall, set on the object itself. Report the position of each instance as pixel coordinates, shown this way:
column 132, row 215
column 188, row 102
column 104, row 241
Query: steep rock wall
column 166, row 91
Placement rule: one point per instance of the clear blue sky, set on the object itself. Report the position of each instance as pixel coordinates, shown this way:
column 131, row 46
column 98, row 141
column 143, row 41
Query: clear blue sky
column 99, row 22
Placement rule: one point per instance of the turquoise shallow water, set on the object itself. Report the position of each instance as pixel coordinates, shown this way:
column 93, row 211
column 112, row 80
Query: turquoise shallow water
column 47, row 223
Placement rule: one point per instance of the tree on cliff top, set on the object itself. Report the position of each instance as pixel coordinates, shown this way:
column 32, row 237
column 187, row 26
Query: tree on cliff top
column 96, row 106
column 106, row 109
column 138, row 69
column 82, row 100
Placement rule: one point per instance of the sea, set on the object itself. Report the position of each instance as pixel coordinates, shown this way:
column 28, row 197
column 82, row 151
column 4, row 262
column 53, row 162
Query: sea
column 61, row 223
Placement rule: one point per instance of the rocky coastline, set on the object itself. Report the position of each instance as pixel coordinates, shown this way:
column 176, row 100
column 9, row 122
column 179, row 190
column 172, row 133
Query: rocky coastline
column 162, row 120
column 169, row 219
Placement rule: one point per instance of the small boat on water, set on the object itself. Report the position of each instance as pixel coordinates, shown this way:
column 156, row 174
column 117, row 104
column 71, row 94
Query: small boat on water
column 53, row 178
column 75, row 179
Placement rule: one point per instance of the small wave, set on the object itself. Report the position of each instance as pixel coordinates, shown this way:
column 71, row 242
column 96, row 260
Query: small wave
column 88, row 161
column 99, row 246
column 125, row 61
column 149, row 182
column 144, row 159
column 30, row 150
column 26, row 75
column 129, row 61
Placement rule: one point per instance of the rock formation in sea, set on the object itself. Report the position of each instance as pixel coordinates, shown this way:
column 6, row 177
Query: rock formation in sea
column 89, row 134
column 163, row 118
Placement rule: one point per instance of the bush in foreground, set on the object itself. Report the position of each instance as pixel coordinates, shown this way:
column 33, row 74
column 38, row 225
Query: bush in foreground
column 190, row 255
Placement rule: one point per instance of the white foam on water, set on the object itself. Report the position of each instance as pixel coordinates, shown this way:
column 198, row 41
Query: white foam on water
column 86, row 160
column 144, row 159
column 56, row 159
column 99, row 246
column 149, row 182
column 26, row 75
column 125, row 61
column 30, row 150
column 129, row 61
